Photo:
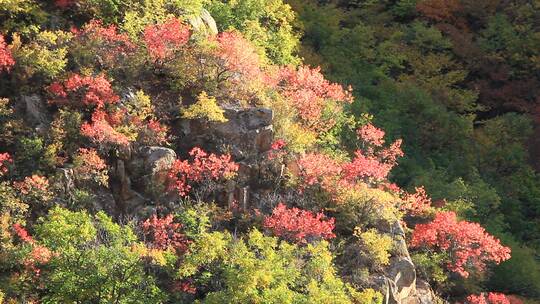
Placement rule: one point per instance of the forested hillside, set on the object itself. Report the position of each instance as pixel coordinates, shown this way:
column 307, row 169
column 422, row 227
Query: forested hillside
column 458, row 81
column 262, row 151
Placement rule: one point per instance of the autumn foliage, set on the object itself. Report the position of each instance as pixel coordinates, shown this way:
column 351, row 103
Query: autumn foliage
column 439, row 10
column 416, row 203
column 130, row 85
column 90, row 161
column 38, row 255
column 318, row 169
column 277, row 149
column 202, row 166
column 89, row 166
column 35, row 184
column 164, row 233
column 100, row 131
column 238, row 56
column 309, row 92
column 6, row 59
column 470, row 247
column 5, row 159
column 299, row 225
column 63, row 4
column 108, row 36
column 152, row 133
column 22, row 234
column 373, row 161
column 105, row 42
column 366, row 167
column 492, row 298
column 163, row 40
column 78, row 90
column 371, row 135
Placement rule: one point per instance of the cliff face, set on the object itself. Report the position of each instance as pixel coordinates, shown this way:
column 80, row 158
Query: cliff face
column 399, row 282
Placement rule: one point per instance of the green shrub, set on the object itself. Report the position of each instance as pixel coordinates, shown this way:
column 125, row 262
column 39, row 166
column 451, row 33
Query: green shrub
column 375, row 245
column 206, row 108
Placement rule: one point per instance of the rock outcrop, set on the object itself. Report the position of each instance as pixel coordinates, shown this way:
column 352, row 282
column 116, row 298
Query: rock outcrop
column 398, row 282
column 156, row 162
column 138, row 176
column 144, row 169
column 401, row 279
column 35, row 112
column 204, row 23
column 424, row 294
column 246, row 134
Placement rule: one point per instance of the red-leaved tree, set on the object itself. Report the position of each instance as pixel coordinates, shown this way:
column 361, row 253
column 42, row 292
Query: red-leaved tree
column 299, row 225
column 468, row 245
column 34, row 190
column 6, row 59
column 238, row 57
column 63, row 4
column 91, row 162
column 416, row 203
column 22, row 233
column 77, row 91
column 163, row 233
column 152, row 133
column 184, row 286
column 371, row 140
column 5, row 159
column 39, row 254
column 371, row 135
column 104, row 43
column 439, row 10
column 100, row 131
column 366, row 167
column 202, row 167
column 371, row 164
column 163, row 40
column 492, row 298
column 89, row 167
column 277, row 150
column 373, row 161
column 318, row 169
column 308, row 91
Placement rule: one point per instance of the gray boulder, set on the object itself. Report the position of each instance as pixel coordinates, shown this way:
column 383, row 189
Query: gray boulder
column 203, row 23
column 35, row 110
